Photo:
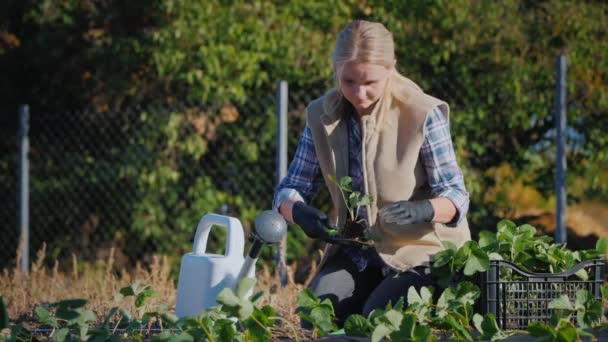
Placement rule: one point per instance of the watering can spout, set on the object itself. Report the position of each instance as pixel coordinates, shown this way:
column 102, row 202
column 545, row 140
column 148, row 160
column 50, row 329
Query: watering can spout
column 269, row 227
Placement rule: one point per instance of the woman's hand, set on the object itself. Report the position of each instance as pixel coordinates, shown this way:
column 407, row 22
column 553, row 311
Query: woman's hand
column 312, row 220
column 408, row 212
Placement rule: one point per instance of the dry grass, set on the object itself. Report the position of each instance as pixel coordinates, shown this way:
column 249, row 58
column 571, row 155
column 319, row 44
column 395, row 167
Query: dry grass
column 99, row 284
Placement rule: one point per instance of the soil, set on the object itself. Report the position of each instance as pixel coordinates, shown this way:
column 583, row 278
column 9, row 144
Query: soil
column 353, row 229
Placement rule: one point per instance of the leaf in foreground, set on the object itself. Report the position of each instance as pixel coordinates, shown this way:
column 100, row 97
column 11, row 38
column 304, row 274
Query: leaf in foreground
column 357, row 325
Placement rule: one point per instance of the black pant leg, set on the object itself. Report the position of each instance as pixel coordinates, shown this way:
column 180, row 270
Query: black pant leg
column 346, row 287
column 396, row 285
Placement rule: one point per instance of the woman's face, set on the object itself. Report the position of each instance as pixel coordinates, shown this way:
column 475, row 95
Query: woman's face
column 363, row 83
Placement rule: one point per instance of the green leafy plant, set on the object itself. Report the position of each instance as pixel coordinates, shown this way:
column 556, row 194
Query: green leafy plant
column 520, row 245
column 354, row 227
column 318, row 313
column 588, row 311
column 587, row 308
column 424, row 320
column 68, row 315
column 488, row 328
column 451, row 264
column 237, row 317
column 353, row 200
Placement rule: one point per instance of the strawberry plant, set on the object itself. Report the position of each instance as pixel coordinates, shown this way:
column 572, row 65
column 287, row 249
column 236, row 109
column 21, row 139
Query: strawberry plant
column 354, row 227
column 423, row 319
column 318, row 313
column 586, row 308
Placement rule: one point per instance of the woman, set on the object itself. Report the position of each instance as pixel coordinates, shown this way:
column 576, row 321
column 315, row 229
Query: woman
column 393, row 140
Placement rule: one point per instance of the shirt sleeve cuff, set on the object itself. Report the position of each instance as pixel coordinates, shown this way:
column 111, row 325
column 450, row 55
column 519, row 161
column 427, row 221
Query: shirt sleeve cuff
column 461, row 203
column 284, row 194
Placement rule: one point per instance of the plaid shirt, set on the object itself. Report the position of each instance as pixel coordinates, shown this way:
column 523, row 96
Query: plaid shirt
column 437, row 155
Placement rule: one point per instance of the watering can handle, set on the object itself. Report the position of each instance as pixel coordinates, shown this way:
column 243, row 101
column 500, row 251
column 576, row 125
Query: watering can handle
column 235, row 239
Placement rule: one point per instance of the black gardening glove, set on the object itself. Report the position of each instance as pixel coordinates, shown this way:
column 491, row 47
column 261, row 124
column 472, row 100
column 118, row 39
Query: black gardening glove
column 408, row 212
column 312, row 220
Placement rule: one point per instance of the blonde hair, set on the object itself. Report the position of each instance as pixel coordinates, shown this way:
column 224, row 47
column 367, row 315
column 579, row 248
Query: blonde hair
column 366, row 41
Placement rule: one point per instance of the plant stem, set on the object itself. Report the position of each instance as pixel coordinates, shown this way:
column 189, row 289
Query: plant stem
column 206, row 331
column 293, row 328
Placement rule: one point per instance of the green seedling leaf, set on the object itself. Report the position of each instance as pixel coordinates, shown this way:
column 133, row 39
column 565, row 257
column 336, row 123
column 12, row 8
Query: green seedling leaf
column 71, row 303
column 582, row 298
column 602, row 245
column 488, row 327
column 62, row 334
column 141, row 297
column 527, row 231
column 561, row 303
column 256, row 296
column 168, row 336
column 423, row 333
column 443, row 302
column 477, row 320
column 126, row 315
column 66, row 314
column 460, row 330
column 357, row 325
column 495, row 256
column 582, row 274
column 257, row 327
column 405, row 331
column 467, row 293
column 319, row 313
column 224, row 330
column 400, row 303
column 589, row 309
column 604, row 291
column 541, row 329
column 127, row 291
column 478, row 260
column 449, row 245
column 307, row 299
column 413, row 297
column 487, row 239
column 380, row 332
column 506, row 226
column 45, row 317
column 245, row 309
column 567, row 332
column 345, row 183
column 227, row 297
column 420, row 304
column 443, row 258
column 375, row 316
column 322, row 319
column 108, row 317
column 244, row 286
column 394, row 317
column 426, row 295
column 170, row 318
column 365, row 200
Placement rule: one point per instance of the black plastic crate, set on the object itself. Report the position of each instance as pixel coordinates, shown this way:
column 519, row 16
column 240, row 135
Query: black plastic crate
column 518, row 303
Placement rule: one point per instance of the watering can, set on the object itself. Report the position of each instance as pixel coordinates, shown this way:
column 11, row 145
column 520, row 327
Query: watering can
column 202, row 275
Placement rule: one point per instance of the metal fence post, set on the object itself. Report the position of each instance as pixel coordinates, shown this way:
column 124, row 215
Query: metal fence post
column 281, row 162
column 560, row 160
column 24, row 206
column 282, row 131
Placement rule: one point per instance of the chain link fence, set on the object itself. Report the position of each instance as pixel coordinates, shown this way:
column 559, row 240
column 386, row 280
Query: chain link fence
column 138, row 180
